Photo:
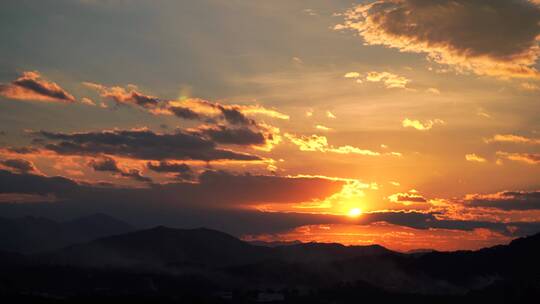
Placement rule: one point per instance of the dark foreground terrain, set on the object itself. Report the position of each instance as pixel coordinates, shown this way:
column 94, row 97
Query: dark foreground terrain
column 165, row 265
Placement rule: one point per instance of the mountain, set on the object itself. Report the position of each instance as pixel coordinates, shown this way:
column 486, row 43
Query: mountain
column 199, row 264
column 164, row 247
column 176, row 248
column 36, row 234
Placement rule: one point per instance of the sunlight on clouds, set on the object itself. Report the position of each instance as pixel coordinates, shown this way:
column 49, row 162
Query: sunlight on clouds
column 511, row 138
column 472, row 157
column 421, row 126
column 436, row 29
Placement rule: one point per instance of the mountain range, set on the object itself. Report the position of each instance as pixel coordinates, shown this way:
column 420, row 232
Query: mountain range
column 203, row 265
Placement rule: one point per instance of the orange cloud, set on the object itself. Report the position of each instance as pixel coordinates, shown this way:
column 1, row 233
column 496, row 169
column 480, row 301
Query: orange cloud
column 475, row 158
column 528, row 158
column 460, row 33
column 30, row 86
column 510, row 138
column 390, row 80
column 121, row 95
column 320, row 144
column 421, row 126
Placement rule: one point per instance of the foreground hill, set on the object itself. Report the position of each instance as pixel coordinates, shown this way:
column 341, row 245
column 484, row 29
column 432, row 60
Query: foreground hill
column 209, row 266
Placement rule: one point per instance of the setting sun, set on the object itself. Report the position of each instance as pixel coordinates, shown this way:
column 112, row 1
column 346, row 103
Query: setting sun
column 354, row 212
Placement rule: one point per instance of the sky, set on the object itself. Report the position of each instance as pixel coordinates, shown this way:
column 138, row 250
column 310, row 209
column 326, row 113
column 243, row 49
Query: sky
column 406, row 123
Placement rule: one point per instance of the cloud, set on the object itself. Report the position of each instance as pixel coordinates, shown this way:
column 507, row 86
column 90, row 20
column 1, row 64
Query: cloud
column 320, row 144
column 528, row 158
column 181, row 170
column 510, row 138
column 219, row 200
column 233, row 136
column 108, row 164
column 391, row 81
column 434, row 91
column 330, row 115
column 352, row 75
column 87, row 101
column 30, row 86
column 139, row 144
column 323, row 128
column 213, row 112
column 506, row 200
column 475, row 158
column 121, row 95
column 104, row 164
column 421, row 126
column 19, row 165
column 408, row 198
column 488, row 37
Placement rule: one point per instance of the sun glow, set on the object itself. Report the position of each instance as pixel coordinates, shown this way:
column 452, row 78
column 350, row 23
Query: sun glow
column 354, row 212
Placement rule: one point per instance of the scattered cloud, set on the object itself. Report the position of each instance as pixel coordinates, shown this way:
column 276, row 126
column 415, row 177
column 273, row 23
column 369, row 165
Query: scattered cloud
column 31, row 86
column 88, row 101
column 527, row 86
column 422, row 126
column 528, row 158
column 472, row 157
column 120, row 95
column 460, row 33
column 390, row 80
column 139, row 144
column 407, row 198
column 506, row 200
column 511, row 138
column 323, row 128
column 182, row 171
column 19, row 165
column 320, row 144
column 352, row 75
column 107, row 164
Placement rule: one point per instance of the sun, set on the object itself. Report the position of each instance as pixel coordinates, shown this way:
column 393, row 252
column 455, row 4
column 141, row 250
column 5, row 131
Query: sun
column 354, row 212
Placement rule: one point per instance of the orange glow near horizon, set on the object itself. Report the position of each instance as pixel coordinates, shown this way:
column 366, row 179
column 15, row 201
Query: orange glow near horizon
column 393, row 237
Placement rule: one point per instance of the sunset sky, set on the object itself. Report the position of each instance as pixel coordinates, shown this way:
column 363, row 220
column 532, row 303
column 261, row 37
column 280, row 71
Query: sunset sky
column 406, row 123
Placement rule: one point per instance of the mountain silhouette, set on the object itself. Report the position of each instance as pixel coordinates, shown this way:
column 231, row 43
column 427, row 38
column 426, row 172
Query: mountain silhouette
column 37, row 234
column 203, row 263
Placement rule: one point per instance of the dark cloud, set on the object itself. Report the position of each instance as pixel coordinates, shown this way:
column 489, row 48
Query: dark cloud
column 186, row 113
column 506, row 200
column 216, row 201
column 108, row 164
column 235, row 136
column 182, row 171
column 104, row 164
column 30, row 86
column 405, row 197
column 234, row 116
column 136, row 175
column 19, row 165
column 203, row 110
column 488, row 37
column 22, row 150
column 140, row 144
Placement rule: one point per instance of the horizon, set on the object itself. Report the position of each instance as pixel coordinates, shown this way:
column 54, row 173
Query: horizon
column 400, row 123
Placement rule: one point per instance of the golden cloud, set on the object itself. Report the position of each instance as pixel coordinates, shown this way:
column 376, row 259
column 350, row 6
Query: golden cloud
column 488, row 37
